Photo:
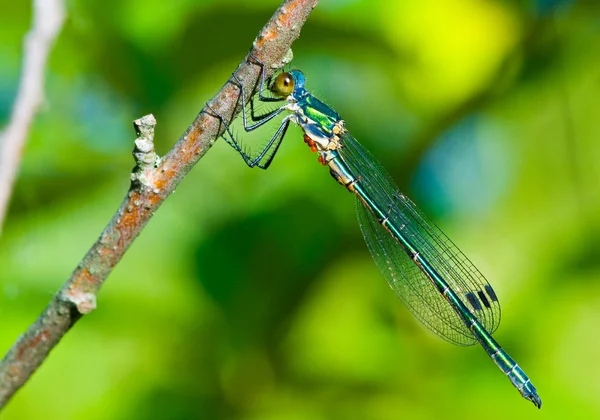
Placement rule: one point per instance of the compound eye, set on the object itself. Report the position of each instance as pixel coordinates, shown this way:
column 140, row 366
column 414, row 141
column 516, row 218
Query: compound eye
column 283, row 85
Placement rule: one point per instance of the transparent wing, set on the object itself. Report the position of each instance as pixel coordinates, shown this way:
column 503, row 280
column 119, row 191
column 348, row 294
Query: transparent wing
column 411, row 285
column 409, row 282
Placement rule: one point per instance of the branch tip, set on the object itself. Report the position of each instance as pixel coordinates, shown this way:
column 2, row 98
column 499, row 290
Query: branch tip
column 143, row 151
column 144, row 127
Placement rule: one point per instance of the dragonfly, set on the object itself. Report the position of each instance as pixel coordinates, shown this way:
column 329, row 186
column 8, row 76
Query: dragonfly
column 438, row 284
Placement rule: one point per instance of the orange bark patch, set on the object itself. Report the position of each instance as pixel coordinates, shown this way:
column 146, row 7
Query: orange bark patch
column 269, row 35
column 163, row 180
column 193, row 134
column 82, row 280
column 33, row 343
column 129, row 222
column 290, row 9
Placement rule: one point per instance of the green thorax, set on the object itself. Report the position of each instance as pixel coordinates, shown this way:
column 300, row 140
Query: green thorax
column 318, row 112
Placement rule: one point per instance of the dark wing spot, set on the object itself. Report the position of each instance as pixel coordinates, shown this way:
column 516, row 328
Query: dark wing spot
column 491, row 293
column 483, row 299
column 473, row 301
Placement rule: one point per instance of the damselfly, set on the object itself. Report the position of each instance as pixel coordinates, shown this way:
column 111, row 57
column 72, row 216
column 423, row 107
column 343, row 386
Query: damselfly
column 433, row 278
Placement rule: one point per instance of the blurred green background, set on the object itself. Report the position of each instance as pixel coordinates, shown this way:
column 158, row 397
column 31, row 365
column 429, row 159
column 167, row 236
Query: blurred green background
column 251, row 294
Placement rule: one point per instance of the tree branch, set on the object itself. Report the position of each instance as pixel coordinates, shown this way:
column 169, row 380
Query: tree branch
column 48, row 17
column 153, row 179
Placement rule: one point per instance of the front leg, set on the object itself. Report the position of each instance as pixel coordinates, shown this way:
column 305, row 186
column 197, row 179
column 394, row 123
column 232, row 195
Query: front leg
column 273, row 144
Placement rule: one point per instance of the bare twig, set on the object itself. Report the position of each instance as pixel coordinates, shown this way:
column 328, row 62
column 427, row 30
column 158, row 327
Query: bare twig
column 153, row 180
column 48, row 17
